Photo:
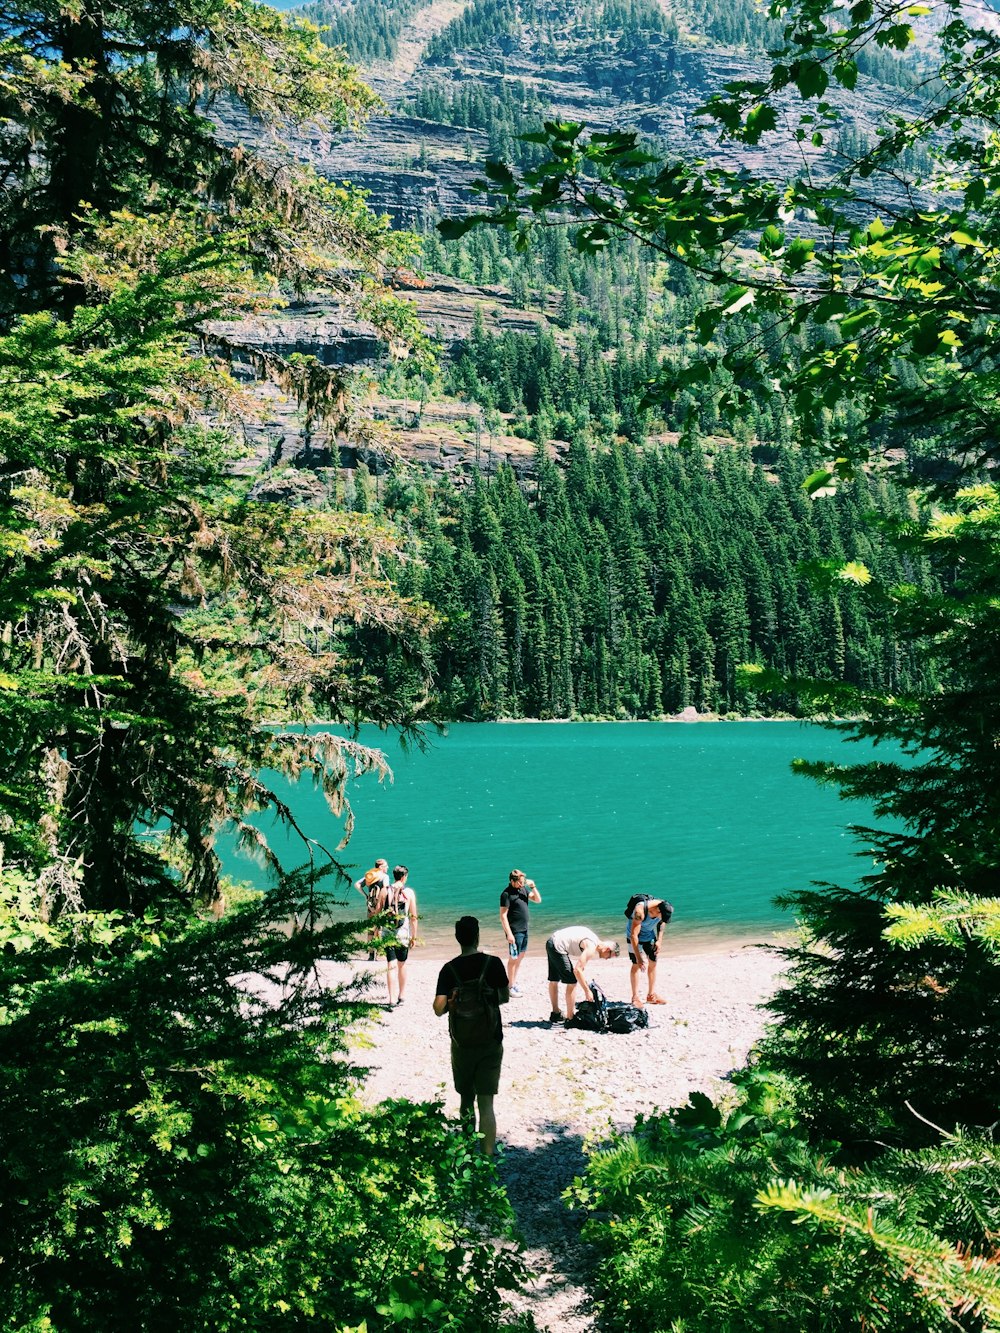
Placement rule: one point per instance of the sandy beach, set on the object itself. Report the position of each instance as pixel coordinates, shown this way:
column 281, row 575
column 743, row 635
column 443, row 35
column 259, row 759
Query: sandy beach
column 563, row 1088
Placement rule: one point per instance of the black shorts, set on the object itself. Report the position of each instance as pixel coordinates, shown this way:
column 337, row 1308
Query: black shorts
column 397, row 953
column 476, row 1069
column 560, row 968
column 650, row 948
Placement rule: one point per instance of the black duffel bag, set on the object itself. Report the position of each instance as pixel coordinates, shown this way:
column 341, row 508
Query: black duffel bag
column 622, row 1017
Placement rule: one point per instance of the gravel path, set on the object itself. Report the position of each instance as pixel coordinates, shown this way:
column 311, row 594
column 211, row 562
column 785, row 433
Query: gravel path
column 562, row 1089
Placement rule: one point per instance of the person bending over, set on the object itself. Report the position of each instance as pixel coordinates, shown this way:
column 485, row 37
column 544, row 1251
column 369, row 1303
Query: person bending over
column 470, row 990
column 568, row 952
column 643, row 936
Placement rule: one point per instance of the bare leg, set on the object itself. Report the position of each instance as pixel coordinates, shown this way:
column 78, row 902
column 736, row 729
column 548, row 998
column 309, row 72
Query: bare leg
column 571, row 1000
column 400, row 979
column 389, row 965
column 554, row 996
column 635, row 974
column 512, row 967
column 487, row 1122
column 652, row 979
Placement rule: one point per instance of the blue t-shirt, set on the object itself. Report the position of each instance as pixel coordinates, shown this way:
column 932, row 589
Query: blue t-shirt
column 648, row 927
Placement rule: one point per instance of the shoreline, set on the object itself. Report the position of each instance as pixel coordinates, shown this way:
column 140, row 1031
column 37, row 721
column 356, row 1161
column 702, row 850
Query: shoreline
column 705, row 1029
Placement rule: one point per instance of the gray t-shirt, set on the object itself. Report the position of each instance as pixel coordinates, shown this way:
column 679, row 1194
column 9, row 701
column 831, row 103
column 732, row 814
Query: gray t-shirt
column 572, row 939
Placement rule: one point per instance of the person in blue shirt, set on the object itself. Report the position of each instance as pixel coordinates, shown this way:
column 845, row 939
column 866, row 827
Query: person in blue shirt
column 643, row 937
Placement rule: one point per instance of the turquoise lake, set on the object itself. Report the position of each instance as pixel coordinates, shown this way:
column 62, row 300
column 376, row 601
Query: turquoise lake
column 707, row 815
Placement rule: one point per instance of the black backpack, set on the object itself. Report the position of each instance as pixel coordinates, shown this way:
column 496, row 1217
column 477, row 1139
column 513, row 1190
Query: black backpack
column 472, row 1018
column 591, row 1015
column 624, row 1017
column 666, row 911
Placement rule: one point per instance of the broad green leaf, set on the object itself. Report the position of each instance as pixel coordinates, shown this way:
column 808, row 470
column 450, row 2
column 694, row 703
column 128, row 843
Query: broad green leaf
column 811, row 78
column 760, row 120
column 846, row 74
column 817, row 481
column 737, row 298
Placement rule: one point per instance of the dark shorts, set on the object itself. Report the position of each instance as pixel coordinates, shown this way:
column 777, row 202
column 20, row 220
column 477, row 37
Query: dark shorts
column 397, row 953
column 520, row 940
column 650, row 948
column 560, row 968
column 476, row 1069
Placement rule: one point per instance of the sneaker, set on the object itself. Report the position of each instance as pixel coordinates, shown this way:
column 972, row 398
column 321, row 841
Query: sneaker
column 516, row 990
column 555, row 1016
column 399, row 1002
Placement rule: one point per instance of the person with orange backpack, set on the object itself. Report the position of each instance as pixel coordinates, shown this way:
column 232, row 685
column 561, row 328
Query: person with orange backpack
column 371, row 885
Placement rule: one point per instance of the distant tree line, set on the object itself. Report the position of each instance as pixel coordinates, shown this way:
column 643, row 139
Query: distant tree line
column 368, row 29
column 633, row 582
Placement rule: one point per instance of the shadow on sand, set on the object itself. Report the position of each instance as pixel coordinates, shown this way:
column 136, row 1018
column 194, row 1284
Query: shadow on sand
column 535, row 1179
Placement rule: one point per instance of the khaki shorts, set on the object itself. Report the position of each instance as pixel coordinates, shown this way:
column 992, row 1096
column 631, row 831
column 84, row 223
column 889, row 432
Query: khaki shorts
column 476, row 1069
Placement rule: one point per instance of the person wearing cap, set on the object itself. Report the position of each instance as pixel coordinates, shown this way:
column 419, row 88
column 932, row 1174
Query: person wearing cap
column 643, row 937
column 568, row 952
column 372, row 884
column 514, row 920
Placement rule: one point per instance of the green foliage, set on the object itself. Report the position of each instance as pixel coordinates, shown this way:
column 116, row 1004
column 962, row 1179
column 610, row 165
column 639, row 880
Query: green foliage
column 368, row 29
column 119, row 513
column 634, row 581
column 182, row 1145
column 109, row 108
column 730, row 1217
column 883, row 286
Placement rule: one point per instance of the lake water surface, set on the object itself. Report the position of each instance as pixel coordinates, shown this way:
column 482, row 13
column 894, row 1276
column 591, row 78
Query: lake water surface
column 707, row 815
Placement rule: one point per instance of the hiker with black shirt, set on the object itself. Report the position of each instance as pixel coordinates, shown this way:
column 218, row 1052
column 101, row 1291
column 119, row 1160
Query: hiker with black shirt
column 514, row 900
column 470, row 990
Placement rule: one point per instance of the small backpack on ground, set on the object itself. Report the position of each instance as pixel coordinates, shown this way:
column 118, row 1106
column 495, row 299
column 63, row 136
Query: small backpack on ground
column 624, row 1017
column 666, row 911
column 471, row 1015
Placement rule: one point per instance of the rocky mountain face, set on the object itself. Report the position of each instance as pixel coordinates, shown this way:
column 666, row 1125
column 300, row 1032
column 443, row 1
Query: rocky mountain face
column 416, row 168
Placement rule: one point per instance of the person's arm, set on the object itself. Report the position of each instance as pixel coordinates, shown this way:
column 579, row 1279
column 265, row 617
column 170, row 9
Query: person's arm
column 580, row 967
column 359, row 884
column 442, row 998
column 504, row 912
column 533, row 893
column 413, row 916
column 637, row 919
column 503, row 985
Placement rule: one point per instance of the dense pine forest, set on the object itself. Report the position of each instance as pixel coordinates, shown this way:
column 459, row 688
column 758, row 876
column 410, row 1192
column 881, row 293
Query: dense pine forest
column 633, row 582
column 720, row 317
